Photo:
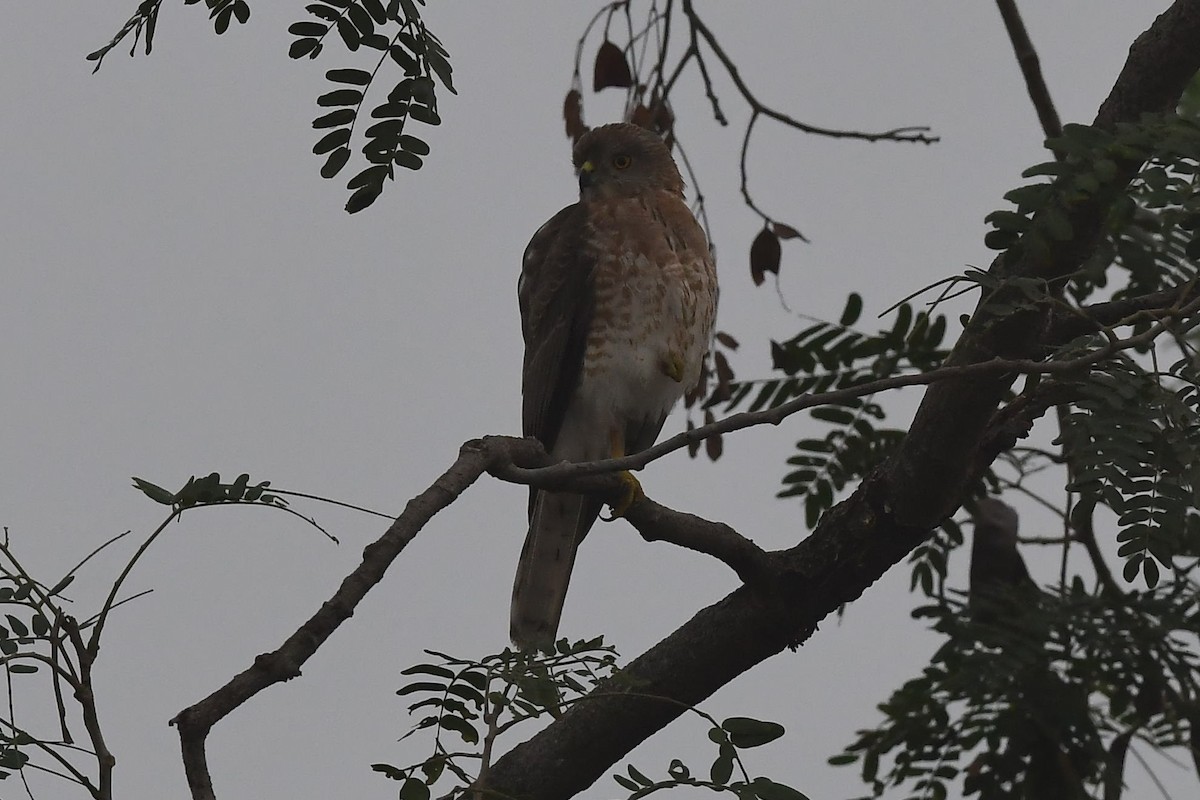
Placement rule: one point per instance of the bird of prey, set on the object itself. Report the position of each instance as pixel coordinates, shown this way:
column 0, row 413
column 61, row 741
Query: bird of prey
column 618, row 294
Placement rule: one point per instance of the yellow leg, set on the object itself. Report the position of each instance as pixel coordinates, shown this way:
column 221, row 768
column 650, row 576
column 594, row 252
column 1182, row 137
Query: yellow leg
column 672, row 367
column 632, row 490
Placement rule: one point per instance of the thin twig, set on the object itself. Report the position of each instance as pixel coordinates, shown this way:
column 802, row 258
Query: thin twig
column 911, row 133
column 1031, row 70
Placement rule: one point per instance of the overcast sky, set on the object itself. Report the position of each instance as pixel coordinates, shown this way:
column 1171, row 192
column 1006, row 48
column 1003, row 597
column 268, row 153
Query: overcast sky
column 182, row 293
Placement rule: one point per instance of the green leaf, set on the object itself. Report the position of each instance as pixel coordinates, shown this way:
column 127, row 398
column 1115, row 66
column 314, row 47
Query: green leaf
column 854, row 307
column 334, row 119
column 334, row 163
column 408, row 160
column 391, row 772
column 349, row 33
column 414, row 789
column 331, row 141
column 460, row 726
column 638, row 776
column 747, row 732
column 440, row 67
column 414, row 145
column 18, row 627
column 722, row 767
column 304, row 47
column 154, row 492
column 425, row 115
column 340, row 97
column 376, row 10
column 63, row 584
column 361, row 20
column 625, row 783
column 222, row 21
column 322, row 11
column 308, row 29
column 390, row 110
column 355, row 77
column 1057, row 224
column 421, row 686
column 768, row 789
column 373, row 176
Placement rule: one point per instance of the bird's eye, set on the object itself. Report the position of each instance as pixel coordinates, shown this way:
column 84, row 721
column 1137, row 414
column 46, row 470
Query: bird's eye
column 622, row 161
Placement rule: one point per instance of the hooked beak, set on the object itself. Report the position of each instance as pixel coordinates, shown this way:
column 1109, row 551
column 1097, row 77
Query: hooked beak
column 586, row 174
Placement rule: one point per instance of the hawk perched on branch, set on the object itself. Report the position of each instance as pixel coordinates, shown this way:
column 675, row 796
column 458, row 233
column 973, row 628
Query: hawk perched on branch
column 618, row 293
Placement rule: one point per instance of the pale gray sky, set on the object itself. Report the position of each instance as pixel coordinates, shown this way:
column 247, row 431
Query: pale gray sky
column 182, row 293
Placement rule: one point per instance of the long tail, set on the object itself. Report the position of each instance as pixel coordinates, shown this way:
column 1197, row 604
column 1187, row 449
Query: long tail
column 557, row 525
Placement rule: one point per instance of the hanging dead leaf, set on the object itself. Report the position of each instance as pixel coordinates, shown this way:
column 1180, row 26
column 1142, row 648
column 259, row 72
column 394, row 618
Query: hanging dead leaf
column 611, row 68
column 713, row 445
column 573, row 115
column 787, row 232
column 765, row 253
column 693, row 446
column 642, row 117
column 727, row 340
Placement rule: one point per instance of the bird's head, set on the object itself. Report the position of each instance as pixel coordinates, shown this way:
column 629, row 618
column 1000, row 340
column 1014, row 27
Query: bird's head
column 623, row 159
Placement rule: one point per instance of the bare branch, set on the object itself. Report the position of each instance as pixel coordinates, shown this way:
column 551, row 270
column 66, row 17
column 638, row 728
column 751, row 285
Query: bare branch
column 195, row 722
column 912, row 133
column 1031, row 70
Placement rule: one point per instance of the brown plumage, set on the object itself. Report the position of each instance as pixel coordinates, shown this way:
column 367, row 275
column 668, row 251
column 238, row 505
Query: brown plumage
column 618, row 294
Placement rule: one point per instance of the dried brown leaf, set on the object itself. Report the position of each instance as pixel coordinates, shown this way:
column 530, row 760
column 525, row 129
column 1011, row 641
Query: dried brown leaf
column 642, row 117
column 727, row 340
column 573, row 115
column 693, row 447
column 765, row 253
column 787, row 231
column 611, row 68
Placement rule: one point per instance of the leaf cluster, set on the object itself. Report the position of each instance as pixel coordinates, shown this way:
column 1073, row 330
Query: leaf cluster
column 209, row 490
column 466, row 701
column 731, row 736
column 400, row 38
column 827, row 356
column 476, row 702
column 145, row 20
column 1039, row 697
column 1135, row 444
column 1150, row 233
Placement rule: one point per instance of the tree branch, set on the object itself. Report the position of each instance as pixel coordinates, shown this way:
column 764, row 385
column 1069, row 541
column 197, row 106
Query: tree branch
column 195, row 722
column 911, row 133
column 566, row 475
column 1031, row 70
column 859, row 539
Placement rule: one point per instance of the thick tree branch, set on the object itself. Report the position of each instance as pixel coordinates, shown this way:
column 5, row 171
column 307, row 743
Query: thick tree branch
column 657, row 523
column 889, row 514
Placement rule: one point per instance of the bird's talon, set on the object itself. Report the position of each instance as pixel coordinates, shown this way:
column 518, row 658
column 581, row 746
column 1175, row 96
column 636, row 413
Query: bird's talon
column 631, row 492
